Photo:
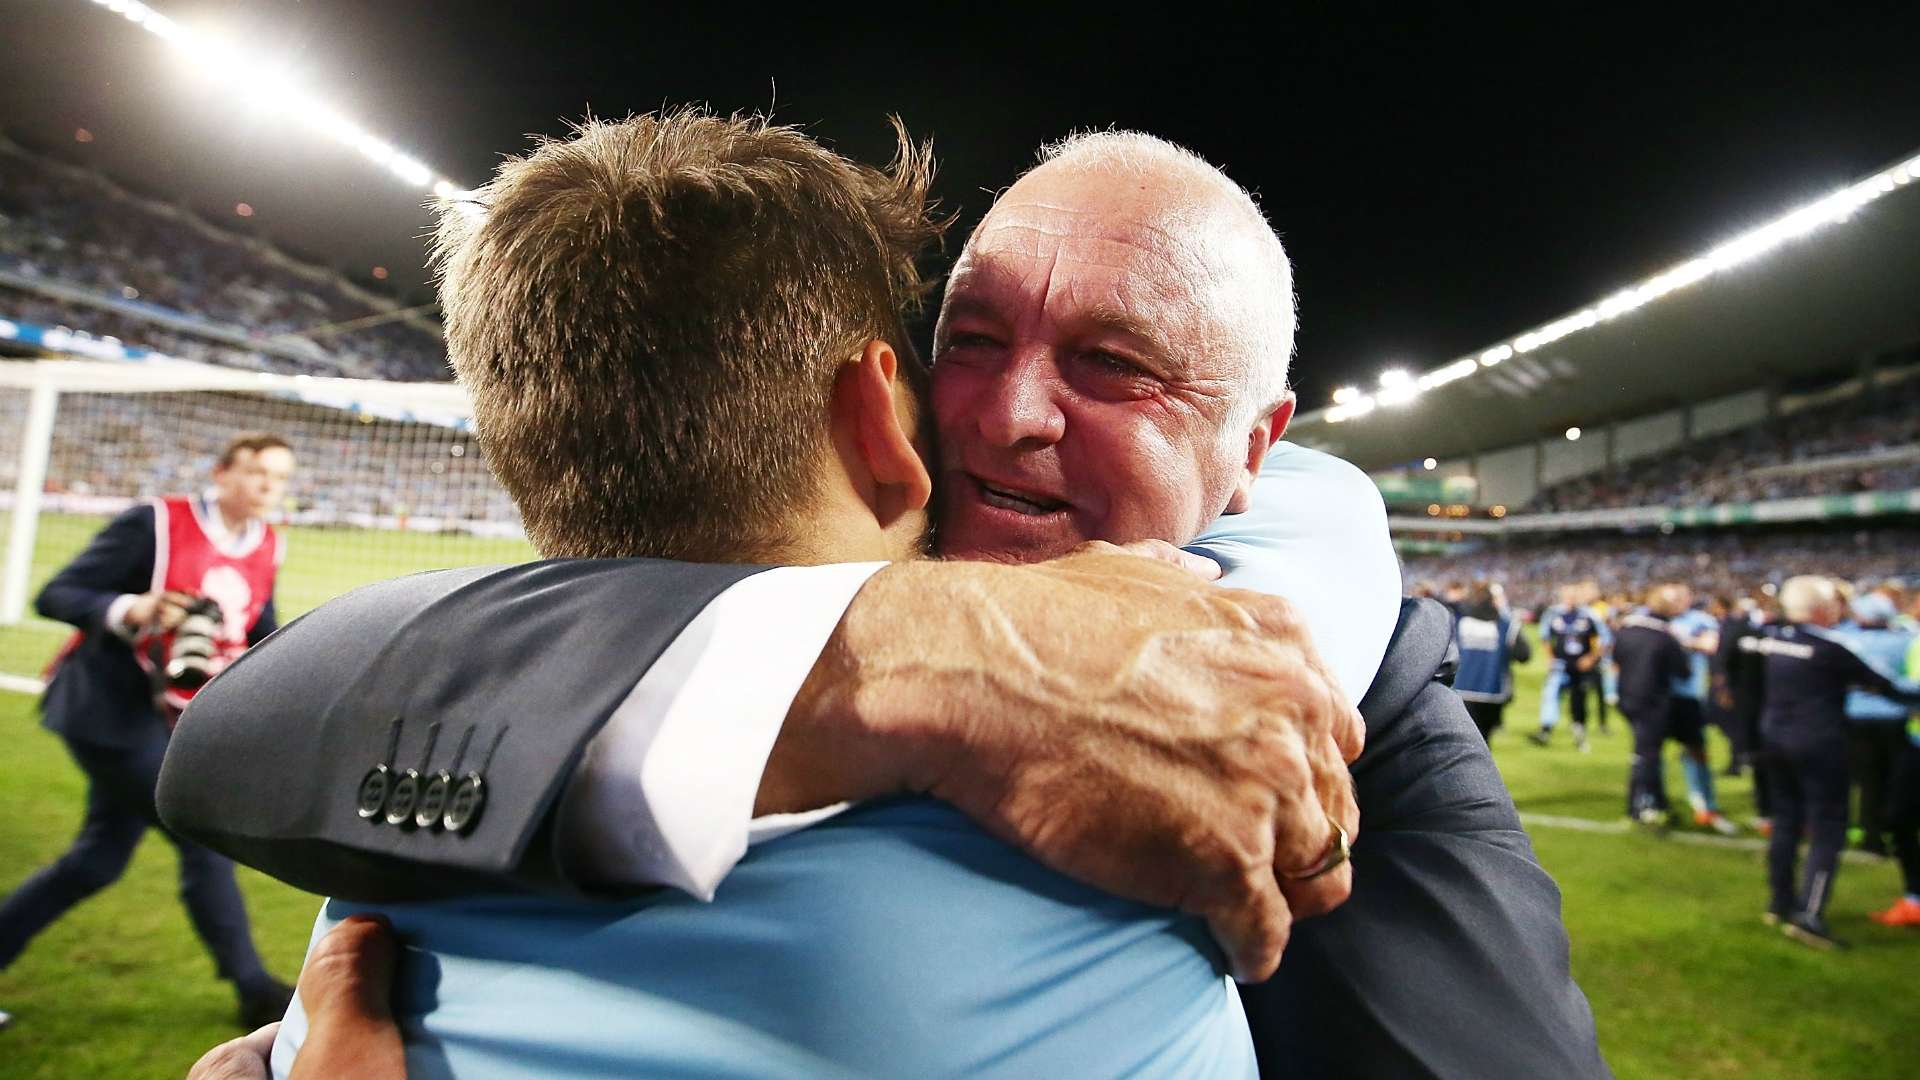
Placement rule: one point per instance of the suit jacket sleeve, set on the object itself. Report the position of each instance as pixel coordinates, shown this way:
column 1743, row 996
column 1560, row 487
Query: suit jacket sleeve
column 118, row 561
column 1450, row 959
column 265, row 625
column 267, row 764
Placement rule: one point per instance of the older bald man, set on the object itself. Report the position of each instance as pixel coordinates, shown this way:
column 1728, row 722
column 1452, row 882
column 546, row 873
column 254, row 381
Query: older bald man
column 1111, row 365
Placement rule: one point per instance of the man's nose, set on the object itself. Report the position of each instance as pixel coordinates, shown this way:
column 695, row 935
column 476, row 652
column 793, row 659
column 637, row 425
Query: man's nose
column 1023, row 405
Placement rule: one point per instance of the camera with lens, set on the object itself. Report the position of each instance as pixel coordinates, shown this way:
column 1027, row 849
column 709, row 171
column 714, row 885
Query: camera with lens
column 190, row 660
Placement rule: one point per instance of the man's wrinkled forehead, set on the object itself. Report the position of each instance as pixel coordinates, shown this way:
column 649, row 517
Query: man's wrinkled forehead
column 1143, row 266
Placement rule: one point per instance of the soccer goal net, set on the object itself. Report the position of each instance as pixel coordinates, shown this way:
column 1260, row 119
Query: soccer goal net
column 388, row 480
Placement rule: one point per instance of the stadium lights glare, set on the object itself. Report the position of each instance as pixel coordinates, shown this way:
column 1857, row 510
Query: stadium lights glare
column 267, row 87
column 1345, row 394
column 1833, row 209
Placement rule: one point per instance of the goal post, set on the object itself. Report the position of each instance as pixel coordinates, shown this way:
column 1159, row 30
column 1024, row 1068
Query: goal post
column 388, row 478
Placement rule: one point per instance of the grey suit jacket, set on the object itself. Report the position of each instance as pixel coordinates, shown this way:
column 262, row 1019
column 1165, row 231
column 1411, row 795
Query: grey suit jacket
column 497, row 677
column 1449, row 961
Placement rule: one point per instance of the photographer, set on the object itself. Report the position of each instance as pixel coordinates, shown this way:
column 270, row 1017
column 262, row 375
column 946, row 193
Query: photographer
column 169, row 593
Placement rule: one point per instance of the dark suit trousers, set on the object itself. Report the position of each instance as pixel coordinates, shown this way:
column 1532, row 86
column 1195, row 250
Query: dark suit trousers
column 1903, row 815
column 1809, row 792
column 1872, row 749
column 1646, row 776
column 120, row 786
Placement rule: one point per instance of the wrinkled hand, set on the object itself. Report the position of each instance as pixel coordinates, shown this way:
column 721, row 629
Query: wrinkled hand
column 1115, row 716
column 244, row 1058
column 346, row 990
column 160, row 611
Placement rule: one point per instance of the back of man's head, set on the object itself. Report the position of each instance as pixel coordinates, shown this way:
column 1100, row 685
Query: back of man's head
column 1810, row 598
column 649, row 317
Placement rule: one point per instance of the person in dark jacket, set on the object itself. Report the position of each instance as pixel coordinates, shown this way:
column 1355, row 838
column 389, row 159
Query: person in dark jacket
column 1575, row 637
column 1491, row 641
column 1738, row 678
column 126, row 594
column 1651, row 662
column 1803, row 726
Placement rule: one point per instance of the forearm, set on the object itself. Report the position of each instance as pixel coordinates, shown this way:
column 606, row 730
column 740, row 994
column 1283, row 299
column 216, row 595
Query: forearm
column 881, row 713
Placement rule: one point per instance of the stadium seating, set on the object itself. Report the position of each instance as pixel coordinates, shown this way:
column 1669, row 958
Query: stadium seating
column 1868, row 441
column 79, row 252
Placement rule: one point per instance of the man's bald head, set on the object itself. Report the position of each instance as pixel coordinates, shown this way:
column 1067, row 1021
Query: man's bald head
column 1112, row 353
column 1240, row 276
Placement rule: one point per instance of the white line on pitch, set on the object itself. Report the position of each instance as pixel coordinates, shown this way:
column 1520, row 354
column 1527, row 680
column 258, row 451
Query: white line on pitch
column 1725, row 843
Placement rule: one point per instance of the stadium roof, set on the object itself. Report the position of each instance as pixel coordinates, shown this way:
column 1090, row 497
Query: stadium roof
column 1818, row 304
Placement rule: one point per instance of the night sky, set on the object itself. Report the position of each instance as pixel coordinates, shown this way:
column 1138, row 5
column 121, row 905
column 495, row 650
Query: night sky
column 1441, row 179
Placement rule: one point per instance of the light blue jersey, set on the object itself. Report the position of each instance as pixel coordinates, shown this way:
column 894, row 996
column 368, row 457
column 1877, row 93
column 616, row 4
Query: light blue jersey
column 896, row 939
column 1317, row 535
column 1885, row 650
column 1690, row 627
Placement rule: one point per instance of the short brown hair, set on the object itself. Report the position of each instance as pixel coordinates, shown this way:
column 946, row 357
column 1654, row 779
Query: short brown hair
column 649, row 317
column 255, row 441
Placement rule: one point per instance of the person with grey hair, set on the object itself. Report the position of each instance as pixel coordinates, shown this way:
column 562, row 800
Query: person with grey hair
column 1110, row 366
column 1803, row 726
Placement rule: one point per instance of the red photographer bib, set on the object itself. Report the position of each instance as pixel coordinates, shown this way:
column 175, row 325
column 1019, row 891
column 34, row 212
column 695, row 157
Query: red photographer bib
column 186, row 559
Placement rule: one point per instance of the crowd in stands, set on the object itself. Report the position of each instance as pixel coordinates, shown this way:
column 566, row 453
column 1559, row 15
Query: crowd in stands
column 351, row 468
column 1734, row 562
column 1868, row 441
column 146, row 268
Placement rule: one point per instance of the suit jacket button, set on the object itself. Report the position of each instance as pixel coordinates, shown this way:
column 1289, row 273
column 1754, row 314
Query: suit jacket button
column 433, row 800
column 406, row 792
column 372, row 798
column 463, row 807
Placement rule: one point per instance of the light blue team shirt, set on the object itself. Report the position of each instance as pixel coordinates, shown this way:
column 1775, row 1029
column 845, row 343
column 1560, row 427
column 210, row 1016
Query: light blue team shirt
column 896, row 939
column 1688, row 626
column 1885, row 650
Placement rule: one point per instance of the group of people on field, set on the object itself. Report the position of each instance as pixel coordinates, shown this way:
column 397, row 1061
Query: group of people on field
column 1812, row 684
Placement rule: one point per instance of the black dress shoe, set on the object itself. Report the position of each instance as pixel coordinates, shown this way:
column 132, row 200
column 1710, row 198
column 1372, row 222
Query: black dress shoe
column 263, row 1004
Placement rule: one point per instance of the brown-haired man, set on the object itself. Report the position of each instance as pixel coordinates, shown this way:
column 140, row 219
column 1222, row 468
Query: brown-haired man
column 112, row 700
column 1044, row 646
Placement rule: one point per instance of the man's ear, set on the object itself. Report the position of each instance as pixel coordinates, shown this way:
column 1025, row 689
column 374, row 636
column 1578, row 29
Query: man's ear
column 1266, row 431
column 884, row 413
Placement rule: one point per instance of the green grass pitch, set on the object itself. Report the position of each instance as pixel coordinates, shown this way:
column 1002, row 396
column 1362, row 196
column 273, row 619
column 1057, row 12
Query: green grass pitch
column 1684, row 981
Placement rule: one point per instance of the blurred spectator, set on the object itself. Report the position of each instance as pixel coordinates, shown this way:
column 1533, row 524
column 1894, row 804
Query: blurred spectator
column 1728, row 562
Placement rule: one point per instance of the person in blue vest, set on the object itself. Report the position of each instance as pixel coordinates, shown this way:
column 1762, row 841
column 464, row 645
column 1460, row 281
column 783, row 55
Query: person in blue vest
column 1575, row 637
column 1491, row 641
column 1876, row 726
column 111, row 700
column 1803, row 726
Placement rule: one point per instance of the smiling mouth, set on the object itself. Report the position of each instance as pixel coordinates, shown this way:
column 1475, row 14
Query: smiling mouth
column 1029, row 505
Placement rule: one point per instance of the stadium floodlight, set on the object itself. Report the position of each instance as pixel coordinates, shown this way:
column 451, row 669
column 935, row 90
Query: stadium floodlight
column 1359, row 406
column 1573, row 434
column 266, row 86
column 1345, row 394
column 1833, row 209
column 1459, row 369
column 1429, row 464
